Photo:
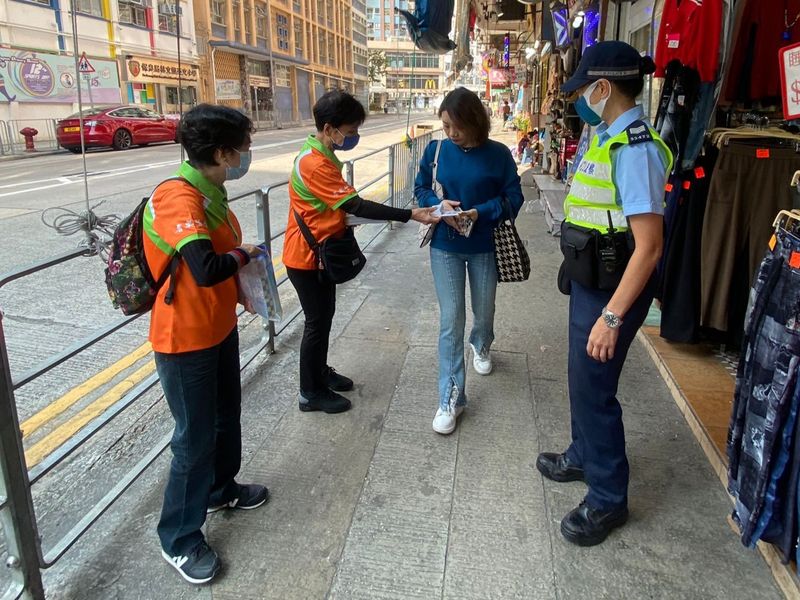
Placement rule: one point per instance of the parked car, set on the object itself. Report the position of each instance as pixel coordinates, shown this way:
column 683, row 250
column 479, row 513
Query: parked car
column 117, row 126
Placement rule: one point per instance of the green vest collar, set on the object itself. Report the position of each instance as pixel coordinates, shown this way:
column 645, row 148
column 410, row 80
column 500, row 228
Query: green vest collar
column 217, row 195
column 313, row 142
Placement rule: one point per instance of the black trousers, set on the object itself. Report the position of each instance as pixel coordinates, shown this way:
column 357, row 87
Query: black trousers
column 318, row 300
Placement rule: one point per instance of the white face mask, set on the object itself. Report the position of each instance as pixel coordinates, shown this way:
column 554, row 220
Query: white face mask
column 598, row 107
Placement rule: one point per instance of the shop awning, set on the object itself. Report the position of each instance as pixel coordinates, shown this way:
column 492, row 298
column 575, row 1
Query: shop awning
column 254, row 52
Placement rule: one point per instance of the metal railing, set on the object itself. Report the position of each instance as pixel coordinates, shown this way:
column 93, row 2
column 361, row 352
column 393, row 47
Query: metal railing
column 13, row 142
column 26, row 557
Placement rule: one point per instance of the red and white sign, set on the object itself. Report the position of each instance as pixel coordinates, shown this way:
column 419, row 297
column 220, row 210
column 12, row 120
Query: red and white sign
column 84, row 66
column 790, row 81
column 501, row 78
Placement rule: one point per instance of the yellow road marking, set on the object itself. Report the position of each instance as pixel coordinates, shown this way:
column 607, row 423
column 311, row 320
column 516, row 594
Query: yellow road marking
column 36, row 453
column 57, row 407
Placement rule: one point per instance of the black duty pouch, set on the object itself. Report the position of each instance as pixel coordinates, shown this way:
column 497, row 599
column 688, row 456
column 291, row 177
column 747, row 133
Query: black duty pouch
column 614, row 252
column 579, row 247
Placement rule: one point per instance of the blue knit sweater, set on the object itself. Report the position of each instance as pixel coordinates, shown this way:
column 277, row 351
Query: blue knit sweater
column 479, row 179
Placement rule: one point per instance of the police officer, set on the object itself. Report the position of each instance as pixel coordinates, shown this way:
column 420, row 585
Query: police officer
column 612, row 240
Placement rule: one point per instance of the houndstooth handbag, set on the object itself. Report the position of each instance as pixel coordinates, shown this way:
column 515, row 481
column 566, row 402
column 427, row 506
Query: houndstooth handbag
column 510, row 255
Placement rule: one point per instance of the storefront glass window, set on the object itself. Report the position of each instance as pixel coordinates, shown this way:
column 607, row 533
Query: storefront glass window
column 132, row 12
column 218, row 12
column 87, row 7
column 282, row 76
column 189, row 96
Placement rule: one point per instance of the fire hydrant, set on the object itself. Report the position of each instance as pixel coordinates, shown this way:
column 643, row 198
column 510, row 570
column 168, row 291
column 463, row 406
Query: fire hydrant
column 28, row 133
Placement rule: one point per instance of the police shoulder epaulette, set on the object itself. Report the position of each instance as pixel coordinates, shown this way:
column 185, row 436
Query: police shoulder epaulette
column 638, row 133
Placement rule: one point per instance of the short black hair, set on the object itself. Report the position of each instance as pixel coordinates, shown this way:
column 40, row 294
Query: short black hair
column 465, row 110
column 207, row 127
column 630, row 88
column 338, row 108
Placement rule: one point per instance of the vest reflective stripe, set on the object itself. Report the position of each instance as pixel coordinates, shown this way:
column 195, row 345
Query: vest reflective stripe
column 593, row 194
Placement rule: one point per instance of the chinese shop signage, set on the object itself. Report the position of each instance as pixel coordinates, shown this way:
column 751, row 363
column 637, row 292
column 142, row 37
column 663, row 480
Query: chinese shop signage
column 150, row 70
column 790, row 81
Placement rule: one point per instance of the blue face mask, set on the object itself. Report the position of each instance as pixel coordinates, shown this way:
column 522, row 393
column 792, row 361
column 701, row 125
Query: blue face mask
column 592, row 114
column 245, row 158
column 348, row 142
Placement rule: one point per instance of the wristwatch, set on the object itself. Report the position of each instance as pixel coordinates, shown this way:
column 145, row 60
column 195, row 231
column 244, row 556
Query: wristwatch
column 612, row 321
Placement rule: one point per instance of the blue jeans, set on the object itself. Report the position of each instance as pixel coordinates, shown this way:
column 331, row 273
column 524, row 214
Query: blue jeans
column 450, row 271
column 598, row 435
column 204, row 394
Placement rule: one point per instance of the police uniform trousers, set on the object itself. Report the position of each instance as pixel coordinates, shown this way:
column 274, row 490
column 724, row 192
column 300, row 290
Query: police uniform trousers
column 598, row 436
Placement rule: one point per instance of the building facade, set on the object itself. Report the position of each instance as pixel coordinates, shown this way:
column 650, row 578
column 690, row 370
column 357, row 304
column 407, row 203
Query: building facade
column 411, row 76
column 360, row 51
column 274, row 58
column 136, row 51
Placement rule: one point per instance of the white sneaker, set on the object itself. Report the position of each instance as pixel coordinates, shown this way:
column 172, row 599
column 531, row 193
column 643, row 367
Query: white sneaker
column 482, row 362
column 445, row 421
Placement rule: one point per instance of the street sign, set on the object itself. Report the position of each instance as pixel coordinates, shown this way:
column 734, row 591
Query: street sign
column 84, row 66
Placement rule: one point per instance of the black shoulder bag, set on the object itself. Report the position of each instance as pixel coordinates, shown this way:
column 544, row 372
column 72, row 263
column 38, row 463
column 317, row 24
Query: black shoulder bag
column 339, row 259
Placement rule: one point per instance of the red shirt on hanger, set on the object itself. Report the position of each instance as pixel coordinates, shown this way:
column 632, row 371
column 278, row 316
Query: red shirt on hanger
column 690, row 32
column 755, row 68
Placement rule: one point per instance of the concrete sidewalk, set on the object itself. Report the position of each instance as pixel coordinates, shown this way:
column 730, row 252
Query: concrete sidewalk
column 373, row 504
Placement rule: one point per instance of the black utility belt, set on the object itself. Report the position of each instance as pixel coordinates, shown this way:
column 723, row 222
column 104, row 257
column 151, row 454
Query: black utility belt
column 593, row 259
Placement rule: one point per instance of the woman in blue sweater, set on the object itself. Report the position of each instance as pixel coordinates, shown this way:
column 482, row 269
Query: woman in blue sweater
column 478, row 177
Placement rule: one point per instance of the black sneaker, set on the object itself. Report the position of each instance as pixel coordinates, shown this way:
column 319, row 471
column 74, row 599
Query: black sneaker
column 251, row 495
column 327, row 401
column 337, row 382
column 200, row 565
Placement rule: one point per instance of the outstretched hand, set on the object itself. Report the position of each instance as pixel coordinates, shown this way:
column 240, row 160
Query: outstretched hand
column 424, row 215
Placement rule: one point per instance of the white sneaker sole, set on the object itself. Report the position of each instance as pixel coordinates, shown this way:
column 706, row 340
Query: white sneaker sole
column 478, row 370
column 168, row 558
column 450, row 430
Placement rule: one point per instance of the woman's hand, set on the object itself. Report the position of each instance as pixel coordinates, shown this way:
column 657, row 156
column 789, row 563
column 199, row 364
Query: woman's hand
column 448, row 205
column 602, row 341
column 252, row 250
column 471, row 213
column 424, row 215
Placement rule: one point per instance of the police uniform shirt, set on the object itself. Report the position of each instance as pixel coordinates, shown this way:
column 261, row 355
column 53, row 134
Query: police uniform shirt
column 639, row 172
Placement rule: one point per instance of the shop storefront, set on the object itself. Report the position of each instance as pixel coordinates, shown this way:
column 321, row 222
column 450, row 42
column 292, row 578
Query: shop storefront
column 725, row 331
column 260, row 86
column 230, row 79
column 161, row 85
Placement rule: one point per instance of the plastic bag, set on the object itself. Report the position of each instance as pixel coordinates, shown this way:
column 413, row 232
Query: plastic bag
column 260, row 288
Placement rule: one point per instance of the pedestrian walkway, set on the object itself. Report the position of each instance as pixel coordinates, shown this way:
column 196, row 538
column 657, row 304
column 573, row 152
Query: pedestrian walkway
column 372, row 504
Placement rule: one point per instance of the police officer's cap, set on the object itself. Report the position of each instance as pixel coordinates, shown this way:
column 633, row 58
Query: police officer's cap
column 615, row 61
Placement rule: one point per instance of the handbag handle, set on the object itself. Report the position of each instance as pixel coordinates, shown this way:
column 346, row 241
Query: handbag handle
column 310, row 239
column 435, row 170
column 505, row 210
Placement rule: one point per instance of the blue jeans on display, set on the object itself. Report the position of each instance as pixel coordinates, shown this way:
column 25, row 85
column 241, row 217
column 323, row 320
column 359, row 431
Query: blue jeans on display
column 204, row 394
column 450, row 271
column 765, row 382
column 598, row 435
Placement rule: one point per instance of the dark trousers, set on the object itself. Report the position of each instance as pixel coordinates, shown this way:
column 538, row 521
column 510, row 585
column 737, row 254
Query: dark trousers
column 204, row 394
column 318, row 300
column 598, row 436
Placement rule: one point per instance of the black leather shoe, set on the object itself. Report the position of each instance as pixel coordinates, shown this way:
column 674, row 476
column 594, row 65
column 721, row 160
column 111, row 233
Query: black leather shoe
column 337, row 382
column 557, row 468
column 327, row 401
column 586, row 526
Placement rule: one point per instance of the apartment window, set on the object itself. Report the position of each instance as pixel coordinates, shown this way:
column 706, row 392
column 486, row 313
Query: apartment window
column 248, row 19
column 87, row 7
column 45, row 2
column 282, row 31
column 298, row 39
column 261, row 21
column 331, row 51
column 218, row 12
column 320, row 10
column 237, row 20
column 323, row 47
column 167, row 20
column 132, row 12
column 329, row 12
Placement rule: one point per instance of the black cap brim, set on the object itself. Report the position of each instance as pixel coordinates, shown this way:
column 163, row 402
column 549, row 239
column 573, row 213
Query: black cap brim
column 575, row 83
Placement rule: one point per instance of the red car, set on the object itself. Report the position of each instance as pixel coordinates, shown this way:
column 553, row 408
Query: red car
column 118, row 126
